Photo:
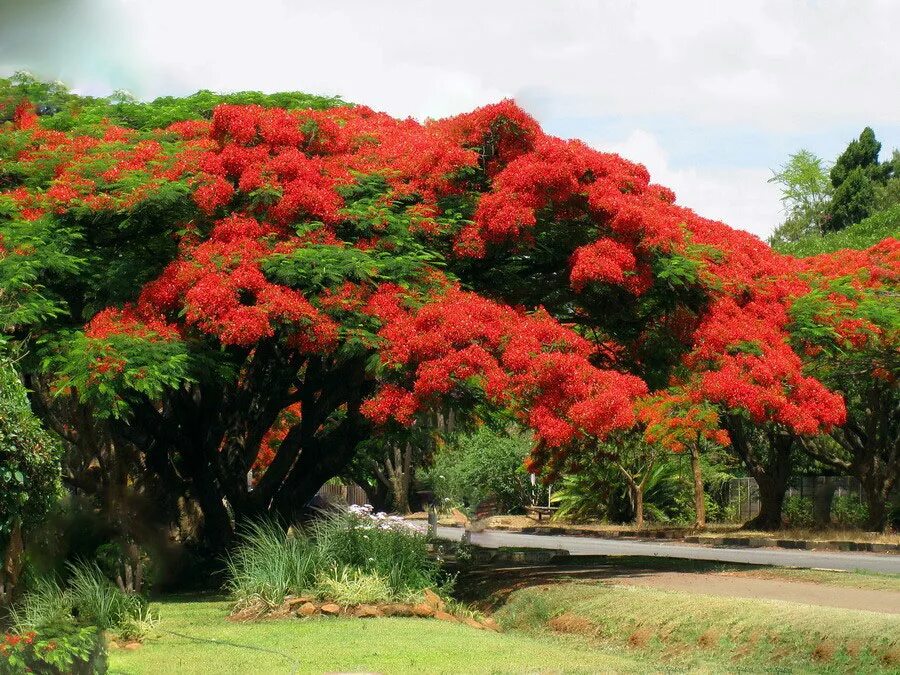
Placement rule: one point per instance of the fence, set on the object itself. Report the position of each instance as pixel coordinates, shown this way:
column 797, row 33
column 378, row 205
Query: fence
column 743, row 494
column 337, row 493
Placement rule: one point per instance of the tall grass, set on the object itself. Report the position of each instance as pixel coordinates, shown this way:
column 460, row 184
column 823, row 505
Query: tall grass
column 348, row 556
column 88, row 598
column 270, row 564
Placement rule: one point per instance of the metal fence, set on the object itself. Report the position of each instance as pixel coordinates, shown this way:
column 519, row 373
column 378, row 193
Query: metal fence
column 743, row 494
column 338, row 493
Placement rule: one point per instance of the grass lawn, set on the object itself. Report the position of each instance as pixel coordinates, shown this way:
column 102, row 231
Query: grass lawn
column 393, row 645
column 688, row 631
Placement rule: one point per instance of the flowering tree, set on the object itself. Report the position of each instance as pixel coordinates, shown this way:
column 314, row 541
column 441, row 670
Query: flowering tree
column 266, row 288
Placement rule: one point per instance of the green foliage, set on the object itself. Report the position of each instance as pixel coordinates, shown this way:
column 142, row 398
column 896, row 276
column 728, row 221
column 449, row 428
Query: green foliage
column 854, row 200
column 482, row 465
column 88, row 598
column 63, row 649
column 29, row 458
column 805, row 191
column 269, row 563
column 346, row 556
column 66, row 111
column 798, row 511
column 849, row 511
column 861, row 153
column 861, row 235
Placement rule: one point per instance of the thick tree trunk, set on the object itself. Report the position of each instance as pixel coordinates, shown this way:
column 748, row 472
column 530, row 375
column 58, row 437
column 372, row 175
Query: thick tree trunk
column 13, row 559
column 771, row 501
column 876, row 494
column 699, row 495
column 768, row 457
column 396, row 475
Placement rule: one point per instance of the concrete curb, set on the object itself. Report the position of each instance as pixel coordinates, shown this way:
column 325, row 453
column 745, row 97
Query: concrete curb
column 712, row 541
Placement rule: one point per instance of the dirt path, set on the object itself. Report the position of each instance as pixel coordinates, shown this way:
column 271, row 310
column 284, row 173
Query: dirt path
column 739, row 586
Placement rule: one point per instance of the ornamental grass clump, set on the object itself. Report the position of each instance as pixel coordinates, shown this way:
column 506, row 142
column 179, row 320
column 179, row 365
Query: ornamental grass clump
column 350, row 557
column 269, row 564
column 87, row 599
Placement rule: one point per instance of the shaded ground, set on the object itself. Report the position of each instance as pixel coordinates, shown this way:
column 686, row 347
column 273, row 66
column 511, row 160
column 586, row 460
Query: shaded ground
column 489, row 587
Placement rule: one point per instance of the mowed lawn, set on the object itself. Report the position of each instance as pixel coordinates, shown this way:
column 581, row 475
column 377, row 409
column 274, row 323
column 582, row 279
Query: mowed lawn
column 207, row 643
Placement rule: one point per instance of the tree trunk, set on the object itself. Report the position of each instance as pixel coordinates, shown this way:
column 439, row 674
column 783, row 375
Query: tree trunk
column 13, row 559
column 767, row 457
column 638, row 496
column 771, row 500
column 876, row 495
column 699, row 495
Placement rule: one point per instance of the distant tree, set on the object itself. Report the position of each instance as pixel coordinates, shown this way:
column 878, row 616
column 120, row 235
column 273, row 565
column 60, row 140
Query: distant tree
column 854, row 200
column 805, row 194
column 854, row 176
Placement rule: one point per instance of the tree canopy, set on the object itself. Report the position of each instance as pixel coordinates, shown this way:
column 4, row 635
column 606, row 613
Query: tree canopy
column 185, row 287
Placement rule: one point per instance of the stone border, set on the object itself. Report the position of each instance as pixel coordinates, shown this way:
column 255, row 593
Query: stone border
column 706, row 540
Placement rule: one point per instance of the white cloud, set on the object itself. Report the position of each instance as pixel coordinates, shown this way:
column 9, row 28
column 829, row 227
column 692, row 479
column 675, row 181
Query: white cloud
column 741, row 197
column 769, row 66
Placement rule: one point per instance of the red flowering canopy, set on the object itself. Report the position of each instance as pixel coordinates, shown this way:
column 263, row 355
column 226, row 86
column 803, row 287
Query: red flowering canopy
column 327, row 270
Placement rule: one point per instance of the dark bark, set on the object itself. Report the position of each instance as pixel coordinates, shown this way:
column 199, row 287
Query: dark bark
column 870, row 445
column 767, row 457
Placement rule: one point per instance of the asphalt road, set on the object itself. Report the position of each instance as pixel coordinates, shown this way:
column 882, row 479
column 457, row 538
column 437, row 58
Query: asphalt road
column 871, row 562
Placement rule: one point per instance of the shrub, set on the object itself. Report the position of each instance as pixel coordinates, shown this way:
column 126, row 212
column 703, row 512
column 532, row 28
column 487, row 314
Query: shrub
column 29, row 472
column 482, row 465
column 798, row 511
column 88, row 599
column 270, row 563
column 352, row 586
column 349, row 556
column 378, row 544
column 848, row 510
column 58, row 648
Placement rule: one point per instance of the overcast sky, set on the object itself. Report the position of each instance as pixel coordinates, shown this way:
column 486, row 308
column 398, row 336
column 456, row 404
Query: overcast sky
column 710, row 96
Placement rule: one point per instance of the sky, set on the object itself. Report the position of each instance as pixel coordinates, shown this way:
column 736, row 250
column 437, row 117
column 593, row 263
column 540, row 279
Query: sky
column 710, row 96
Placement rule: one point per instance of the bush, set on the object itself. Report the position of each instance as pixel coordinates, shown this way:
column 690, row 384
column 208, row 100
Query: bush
column 351, row 557
column 29, row 469
column 59, row 648
column 269, row 564
column 88, row 599
column 849, row 511
column 798, row 511
column 480, row 466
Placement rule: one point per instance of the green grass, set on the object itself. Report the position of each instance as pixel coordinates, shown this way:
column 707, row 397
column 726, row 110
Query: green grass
column 685, row 630
column 392, row 645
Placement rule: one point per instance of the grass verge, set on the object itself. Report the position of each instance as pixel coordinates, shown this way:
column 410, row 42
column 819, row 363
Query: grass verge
column 390, row 645
column 687, row 631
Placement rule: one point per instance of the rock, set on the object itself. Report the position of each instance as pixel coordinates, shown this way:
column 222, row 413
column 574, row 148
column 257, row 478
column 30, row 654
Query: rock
column 330, row 609
column 397, row 609
column 434, row 601
column 367, row 612
column 131, row 646
column 295, row 601
column 445, row 616
column 423, row 610
column 473, row 623
column 307, row 609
